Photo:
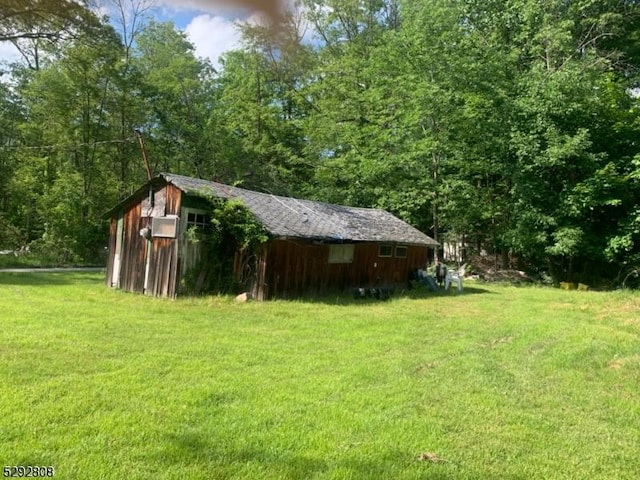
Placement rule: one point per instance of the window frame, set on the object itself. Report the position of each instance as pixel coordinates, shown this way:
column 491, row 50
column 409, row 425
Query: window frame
column 201, row 219
column 405, row 248
column 158, row 224
column 341, row 253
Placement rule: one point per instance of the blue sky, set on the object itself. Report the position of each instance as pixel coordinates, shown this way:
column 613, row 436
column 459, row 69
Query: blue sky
column 209, row 24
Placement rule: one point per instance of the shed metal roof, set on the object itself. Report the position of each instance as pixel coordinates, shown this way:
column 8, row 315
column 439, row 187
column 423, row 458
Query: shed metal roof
column 294, row 218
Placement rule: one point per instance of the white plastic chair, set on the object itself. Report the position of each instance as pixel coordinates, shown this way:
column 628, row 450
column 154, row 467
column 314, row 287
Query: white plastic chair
column 453, row 277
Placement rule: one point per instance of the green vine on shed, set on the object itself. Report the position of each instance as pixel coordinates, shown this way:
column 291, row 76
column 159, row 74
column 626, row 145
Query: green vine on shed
column 232, row 217
column 233, row 228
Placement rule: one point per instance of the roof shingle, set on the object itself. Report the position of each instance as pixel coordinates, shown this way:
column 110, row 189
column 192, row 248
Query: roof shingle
column 294, row 218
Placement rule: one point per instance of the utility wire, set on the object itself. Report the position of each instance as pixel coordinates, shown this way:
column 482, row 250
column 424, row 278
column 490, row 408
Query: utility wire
column 62, row 146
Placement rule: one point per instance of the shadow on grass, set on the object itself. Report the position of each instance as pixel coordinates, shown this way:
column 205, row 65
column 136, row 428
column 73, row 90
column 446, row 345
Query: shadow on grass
column 345, row 299
column 229, row 452
column 194, row 449
column 395, row 463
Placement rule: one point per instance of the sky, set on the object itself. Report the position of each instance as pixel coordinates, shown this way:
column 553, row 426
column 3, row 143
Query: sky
column 209, row 24
column 8, row 52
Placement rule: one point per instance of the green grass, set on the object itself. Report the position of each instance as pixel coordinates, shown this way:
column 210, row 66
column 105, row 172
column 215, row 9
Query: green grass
column 502, row 382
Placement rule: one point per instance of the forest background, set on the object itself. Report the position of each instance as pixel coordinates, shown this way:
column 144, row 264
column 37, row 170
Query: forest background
column 510, row 125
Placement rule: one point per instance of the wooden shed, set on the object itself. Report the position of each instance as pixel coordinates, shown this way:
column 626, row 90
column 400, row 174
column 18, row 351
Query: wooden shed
column 313, row 247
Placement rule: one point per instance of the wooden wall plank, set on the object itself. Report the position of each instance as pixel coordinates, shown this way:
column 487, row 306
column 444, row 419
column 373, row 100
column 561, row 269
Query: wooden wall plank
column 163, row 263
column 296, row 268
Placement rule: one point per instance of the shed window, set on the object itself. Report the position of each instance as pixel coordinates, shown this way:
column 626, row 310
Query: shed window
column 341, row 253
column 401, row 251
column 201, row 220
column 385, row 251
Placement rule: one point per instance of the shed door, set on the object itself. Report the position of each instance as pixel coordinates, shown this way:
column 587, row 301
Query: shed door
column 191, row 251
column 115, row 275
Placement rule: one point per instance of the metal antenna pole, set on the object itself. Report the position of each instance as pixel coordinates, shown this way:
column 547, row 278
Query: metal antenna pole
column 144, row 153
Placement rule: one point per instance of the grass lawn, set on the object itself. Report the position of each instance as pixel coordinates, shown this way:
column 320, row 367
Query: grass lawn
column 499, row 382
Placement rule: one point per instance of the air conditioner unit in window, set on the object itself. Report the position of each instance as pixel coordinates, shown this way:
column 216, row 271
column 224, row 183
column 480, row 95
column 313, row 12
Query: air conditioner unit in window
column 166, row 227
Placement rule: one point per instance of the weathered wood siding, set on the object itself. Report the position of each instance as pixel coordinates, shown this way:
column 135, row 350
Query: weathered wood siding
column 134, row 250
column 161, row 254
column 163, row 264
column 289, row 269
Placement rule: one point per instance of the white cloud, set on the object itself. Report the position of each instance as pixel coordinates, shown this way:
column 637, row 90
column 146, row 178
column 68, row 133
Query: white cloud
column 212, row 36
column 233, row 8
column 211, row 25
column 199, row 5
column 9, row 53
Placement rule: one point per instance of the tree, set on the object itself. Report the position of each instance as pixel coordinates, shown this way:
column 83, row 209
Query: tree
column 260, row 108
column 354, row 131
column 11, row 117
column 44, row 19
column 34, row 26
column 130, row 18
column 68, row 179
column 176, row 89
column 568, row 126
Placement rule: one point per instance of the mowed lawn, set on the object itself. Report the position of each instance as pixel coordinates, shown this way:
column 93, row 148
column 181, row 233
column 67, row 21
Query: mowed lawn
column 499, row 382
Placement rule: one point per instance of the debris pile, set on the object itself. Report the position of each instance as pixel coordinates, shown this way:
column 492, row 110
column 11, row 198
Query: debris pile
column 484, row 268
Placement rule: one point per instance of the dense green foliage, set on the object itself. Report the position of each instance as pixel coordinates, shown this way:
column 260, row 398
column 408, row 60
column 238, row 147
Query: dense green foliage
column 500, row 382
column 47, row 20
column 233, row 229
column 510, row 124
